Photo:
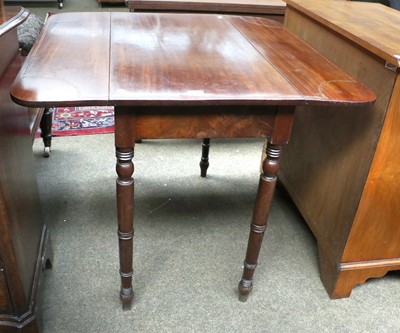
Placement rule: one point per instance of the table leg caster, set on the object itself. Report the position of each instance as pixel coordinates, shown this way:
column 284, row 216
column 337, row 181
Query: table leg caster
column 46, row 152
column 245, row 287
column 126, row 296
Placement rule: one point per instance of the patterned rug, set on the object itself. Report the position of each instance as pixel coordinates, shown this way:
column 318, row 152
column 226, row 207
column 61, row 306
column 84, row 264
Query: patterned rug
column 83, row 120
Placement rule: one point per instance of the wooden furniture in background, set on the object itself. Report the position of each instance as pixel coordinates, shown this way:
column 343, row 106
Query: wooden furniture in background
column 111, row 1
column 342, row 168
column 272, row 9
column 60, row 2
column 191, row 76
column 23, row 237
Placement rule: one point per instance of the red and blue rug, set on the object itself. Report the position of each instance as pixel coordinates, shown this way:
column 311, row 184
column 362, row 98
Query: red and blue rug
column 83, row 120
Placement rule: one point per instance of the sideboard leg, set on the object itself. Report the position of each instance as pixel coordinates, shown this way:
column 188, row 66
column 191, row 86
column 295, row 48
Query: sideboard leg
column 125, row 192
column 204, row 164
column 262, row 206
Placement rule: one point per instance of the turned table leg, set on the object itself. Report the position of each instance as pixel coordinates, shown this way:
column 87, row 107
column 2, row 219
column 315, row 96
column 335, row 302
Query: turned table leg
column 125, row 192
column 262, row 206
column 204, row 157
column 45, row 127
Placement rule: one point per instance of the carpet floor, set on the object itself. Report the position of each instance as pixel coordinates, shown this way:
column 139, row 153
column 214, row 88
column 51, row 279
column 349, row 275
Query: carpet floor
column 82, row 120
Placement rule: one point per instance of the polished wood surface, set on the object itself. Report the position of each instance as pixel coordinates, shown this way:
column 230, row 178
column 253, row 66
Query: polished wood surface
column 352, row 154
column 162, row 45
column 223, row 6
column 184, row 76
column 372, row 26
column 382, row 189
column 22, row 233
column 84, row 83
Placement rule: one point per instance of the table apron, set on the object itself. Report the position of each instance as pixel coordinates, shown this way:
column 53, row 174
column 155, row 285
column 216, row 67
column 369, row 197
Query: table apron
column 214, row 122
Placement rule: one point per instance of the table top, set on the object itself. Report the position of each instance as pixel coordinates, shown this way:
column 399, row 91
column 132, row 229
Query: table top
column 373, row 26
column 167, row 59
column 232, row 6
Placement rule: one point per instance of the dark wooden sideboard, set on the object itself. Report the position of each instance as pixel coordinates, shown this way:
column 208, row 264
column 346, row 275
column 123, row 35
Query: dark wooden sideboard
column 23, row 237
column 60, row 2
column 111, row 1
column 272, row 9
column 348, row 182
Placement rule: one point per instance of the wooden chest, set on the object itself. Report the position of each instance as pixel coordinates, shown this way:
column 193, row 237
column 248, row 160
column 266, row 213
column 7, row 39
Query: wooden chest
column 343, row 169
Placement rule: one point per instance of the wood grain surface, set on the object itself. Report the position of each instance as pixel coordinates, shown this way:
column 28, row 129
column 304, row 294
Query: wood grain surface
column 69, row 62
column 378, row 33
column 142, row 59
column 223, row 6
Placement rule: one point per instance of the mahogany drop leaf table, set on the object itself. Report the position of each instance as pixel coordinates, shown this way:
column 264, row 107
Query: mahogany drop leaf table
column 183, row 76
